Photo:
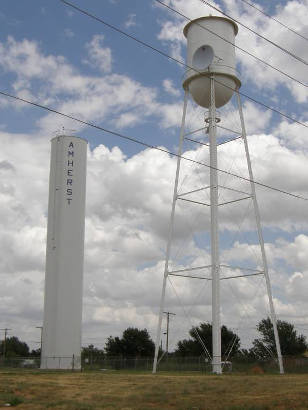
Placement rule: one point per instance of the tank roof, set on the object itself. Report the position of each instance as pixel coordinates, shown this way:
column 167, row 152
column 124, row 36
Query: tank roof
column 208, row 18
column 69, row 136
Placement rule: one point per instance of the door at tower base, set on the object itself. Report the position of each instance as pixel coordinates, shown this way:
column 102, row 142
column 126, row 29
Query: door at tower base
column 61, row 335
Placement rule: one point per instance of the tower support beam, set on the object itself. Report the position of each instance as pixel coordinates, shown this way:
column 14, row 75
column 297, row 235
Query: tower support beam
column 170, row 233
column 260, row 236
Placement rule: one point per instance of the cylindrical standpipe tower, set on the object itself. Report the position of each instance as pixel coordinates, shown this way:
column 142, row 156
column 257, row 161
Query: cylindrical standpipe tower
column 61, row 336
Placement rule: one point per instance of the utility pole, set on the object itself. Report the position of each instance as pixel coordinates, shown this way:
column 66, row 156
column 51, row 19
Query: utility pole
column 167, row 333
column 40, row 327
column 4, row 342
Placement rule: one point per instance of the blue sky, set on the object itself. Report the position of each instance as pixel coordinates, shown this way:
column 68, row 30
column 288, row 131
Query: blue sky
column 55, row 56
column 59, row 30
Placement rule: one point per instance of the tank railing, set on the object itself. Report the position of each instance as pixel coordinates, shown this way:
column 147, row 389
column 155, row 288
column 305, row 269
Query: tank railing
column 191, row 71
column 207, row 117
column 212, row 68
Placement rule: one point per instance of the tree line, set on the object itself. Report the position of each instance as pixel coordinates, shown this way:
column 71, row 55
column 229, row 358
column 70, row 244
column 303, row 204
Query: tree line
column 13, row 347
column 138, row 343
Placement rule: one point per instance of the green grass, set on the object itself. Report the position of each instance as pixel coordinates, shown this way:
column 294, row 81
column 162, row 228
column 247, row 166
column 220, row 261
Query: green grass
column 9, row 398
column 38, row 390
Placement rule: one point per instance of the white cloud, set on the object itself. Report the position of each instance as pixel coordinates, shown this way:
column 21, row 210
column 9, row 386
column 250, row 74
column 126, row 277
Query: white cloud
column 69, row 33
column 99, row 56
column 128, row 208
column 292, row 134
column 25, row 59
column 69, row 13
column 261, row 75
column 129, row 199
column 131, row 21
column 297, row 287
column 229, row 116
column 170, row 89
column 118, row 98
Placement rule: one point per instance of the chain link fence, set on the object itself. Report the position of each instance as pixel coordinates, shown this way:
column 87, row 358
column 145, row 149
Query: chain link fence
column 167, row 363
column 46, row 363
column 135, row 363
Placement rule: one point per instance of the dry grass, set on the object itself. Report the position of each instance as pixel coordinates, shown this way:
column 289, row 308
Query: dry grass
column 130, row 391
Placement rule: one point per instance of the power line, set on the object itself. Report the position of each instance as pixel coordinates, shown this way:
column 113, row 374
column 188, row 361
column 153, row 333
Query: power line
column 4, row 341
column 167, row 332
column 179, row 62
column 257, row 34
column 234, row 45
column 41, row 339
column 273, row 18
column 145, row 144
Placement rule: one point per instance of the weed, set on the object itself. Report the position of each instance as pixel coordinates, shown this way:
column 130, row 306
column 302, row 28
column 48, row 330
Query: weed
column 11, row 399
column 248, row 408
column 83, row 406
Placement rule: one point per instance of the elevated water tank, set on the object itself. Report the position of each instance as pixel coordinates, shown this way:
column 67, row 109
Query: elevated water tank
column 210, row 51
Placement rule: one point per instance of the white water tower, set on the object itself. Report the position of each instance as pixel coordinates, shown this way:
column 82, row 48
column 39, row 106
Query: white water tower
column 210, row 54
column 61, row 335
column 211, row 80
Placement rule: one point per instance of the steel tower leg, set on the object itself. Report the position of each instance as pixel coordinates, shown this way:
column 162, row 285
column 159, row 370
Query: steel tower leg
column 260, row 235
column 216, row 333
column 170, row 234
